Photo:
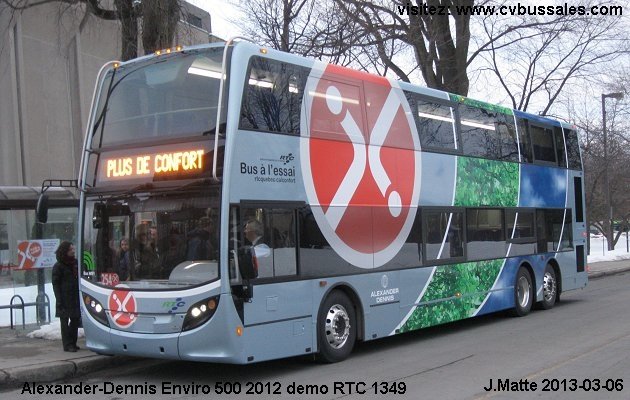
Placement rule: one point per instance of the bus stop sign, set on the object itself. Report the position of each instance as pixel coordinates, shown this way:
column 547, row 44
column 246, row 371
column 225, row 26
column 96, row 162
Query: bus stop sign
column 360, row 156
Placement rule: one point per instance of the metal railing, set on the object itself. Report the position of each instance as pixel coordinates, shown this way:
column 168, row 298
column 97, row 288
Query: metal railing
column 42, row 299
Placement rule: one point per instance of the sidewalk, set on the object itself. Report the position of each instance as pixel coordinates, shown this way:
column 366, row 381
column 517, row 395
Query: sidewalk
column 605, row 268
column 23, row 359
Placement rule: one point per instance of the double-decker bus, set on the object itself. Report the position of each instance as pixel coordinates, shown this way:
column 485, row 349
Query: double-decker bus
column 240, row 204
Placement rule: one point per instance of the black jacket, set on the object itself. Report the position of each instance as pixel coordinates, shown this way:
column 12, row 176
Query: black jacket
column 200, row 246
column 66, row 287
column 124, row 264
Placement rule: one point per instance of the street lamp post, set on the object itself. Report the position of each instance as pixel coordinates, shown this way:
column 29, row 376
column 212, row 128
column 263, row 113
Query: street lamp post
column 608, row 225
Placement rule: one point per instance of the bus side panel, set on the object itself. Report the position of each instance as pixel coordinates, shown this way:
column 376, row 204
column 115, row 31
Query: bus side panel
column 278, row 339
column 502, row 295
column 278, row 301
column 266, row 167
column 571, row 279
column 380, row 295
column 278, row 320
column 454, row 292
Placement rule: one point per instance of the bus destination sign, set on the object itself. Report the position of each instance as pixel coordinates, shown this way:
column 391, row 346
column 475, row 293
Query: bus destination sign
column 163, row 165
column 154, row 164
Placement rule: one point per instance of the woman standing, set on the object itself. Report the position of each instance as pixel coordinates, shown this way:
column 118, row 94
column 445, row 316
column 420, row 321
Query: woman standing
column 65, row 282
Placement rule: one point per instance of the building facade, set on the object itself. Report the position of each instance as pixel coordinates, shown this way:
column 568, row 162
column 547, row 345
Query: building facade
column 50, row 56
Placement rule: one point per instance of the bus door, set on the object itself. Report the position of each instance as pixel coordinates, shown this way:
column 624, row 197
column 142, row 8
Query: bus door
column 276, row 307
column 112, row 223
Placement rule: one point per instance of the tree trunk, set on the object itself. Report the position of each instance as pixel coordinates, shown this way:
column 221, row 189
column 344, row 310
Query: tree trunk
column 159, row 22
column 129, row 29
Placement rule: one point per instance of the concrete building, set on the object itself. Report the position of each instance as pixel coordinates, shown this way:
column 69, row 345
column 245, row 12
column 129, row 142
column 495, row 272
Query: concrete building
column 49, row 58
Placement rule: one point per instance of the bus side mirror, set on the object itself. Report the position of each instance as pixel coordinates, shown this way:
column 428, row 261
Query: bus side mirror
column 41, row 211
column 97, row 215
column 246, row 263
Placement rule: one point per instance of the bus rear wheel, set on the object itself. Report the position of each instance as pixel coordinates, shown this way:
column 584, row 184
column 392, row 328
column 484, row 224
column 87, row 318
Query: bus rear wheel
column 550, row 288
column 336, row 327
column 523, row 293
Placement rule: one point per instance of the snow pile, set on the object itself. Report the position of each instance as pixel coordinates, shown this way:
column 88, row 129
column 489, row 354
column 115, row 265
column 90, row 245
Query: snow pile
column 599, row 250
column 51, row 331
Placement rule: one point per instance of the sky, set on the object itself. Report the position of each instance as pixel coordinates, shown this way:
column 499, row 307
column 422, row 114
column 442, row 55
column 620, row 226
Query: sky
column 226, row 17
column 222, row 12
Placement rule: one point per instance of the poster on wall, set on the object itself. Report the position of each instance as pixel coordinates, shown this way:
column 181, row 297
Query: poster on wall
column 37, row 253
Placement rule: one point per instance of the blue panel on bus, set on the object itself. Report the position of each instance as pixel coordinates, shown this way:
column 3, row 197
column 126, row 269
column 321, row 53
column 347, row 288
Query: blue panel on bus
column 536, row 118
column 502, row 296
column 439, row 172
column 542, row 186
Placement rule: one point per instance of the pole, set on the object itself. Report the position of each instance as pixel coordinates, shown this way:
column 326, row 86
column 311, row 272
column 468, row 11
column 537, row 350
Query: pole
column 41, row 281
column 608, row 220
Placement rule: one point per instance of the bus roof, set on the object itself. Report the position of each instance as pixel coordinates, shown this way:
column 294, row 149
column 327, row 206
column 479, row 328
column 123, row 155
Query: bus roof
column 435, row 93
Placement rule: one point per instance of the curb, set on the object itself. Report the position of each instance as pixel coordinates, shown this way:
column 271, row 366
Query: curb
column 60, row 370
column 601, row 274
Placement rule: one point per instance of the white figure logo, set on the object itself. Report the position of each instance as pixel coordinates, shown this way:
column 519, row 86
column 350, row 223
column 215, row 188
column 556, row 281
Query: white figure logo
column 364, row 202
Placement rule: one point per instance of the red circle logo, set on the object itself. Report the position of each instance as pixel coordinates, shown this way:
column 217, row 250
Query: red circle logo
column 35, row 250
column 122, row 308
column 360, row 156
column 28, row 253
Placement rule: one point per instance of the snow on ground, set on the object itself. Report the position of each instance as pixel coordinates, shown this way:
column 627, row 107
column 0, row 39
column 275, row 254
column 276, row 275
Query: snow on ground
column 28, row 294
column 599, row 250
column 50, row 332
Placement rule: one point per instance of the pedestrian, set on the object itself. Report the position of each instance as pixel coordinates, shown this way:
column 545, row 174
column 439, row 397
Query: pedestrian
column 65, row 281
column 200, row 243
column 123, row 257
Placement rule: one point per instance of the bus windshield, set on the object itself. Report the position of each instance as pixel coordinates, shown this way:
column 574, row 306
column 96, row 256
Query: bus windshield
column 152, row 241
column 172, row 95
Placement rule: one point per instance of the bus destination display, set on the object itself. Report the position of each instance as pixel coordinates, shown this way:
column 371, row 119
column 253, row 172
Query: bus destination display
column 161, row 165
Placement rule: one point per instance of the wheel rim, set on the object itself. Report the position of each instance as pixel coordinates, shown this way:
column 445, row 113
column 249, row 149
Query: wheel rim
column 337, row 326
column 523, row 291
column 549, row 286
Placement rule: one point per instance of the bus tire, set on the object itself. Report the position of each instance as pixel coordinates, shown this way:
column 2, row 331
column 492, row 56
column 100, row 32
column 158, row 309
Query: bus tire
column 336, row 327
column 550, row 288
column 523, row 293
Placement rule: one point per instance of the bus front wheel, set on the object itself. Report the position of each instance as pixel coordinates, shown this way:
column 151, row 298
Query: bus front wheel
column 523, row 293
column 336, row 327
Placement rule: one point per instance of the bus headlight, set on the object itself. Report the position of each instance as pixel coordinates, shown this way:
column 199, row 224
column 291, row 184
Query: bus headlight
column 200, row 312
column 96, row 310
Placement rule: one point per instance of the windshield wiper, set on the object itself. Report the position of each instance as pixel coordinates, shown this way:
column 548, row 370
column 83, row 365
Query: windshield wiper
column 113, row 86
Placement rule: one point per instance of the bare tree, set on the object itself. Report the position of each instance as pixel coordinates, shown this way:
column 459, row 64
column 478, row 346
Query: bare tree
column 588, row 120
column 439, row 42
column 159, row 23
column 454, row 41
column 310, row 28
column 158, row 17
column 535, row 64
